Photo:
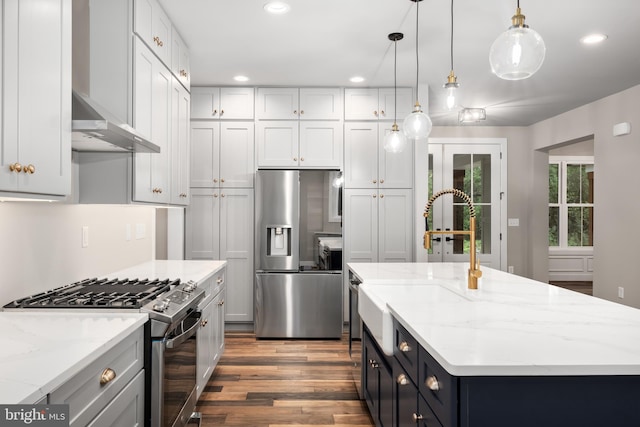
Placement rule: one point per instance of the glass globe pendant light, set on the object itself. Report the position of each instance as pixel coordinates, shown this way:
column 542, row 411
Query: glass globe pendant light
column 452, row 85
column 518, row 52
column 417, row 125
column 395, row 141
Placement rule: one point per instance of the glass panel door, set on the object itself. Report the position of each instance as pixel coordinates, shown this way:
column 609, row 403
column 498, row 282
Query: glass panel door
column 475, row 170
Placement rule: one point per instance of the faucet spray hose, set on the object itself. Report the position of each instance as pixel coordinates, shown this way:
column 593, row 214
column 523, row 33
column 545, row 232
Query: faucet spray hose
column 458, row 193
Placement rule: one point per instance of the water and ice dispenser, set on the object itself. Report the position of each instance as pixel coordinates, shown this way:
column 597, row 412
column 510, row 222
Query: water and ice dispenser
column 278, row 241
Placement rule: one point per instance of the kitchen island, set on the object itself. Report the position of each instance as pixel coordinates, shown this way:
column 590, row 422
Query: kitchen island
column 513, row 352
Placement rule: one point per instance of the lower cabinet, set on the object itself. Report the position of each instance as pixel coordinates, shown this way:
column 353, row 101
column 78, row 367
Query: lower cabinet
column 116, row 402
column 427, row 395
column 219, row 226
column 377, row 382
column 210, row 338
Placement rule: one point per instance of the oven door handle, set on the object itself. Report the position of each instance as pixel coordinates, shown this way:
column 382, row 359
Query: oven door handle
column 172, row 343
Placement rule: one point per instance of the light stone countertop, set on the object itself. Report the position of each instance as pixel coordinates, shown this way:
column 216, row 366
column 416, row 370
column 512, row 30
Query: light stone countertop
column 43, row 349
column 509, row 326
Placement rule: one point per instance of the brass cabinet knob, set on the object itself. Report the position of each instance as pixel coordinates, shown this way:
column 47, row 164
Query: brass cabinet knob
column 219, row 280
column 382, row 196
column 15, row 167
column 404, row 346
column 215, row 180
column 160, row 190
column 222, row 180
column 402, row 379
column 295, row 159
column 382, row 181
column 301, row 112
column 183, row 195
column 432, row 383
column 215, row 112
column 215, row 194
column 30, row 169
column 204, row 322
column 183, row 73
column 375, row 195
column 375, row 113
column 417, row 417
column 107, row 376
column 221, row 113
column 302, row 159
column 374, row 181
column 382, row 112
column 158, row 41
column 374, row 363
column 222, row 195
column 221, row 302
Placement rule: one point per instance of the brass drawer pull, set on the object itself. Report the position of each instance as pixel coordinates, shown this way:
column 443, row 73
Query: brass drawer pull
column 432, row 383
column 402, row 379
column 107, row 376
column 404, row 346
column 417, row 417
column 15, row 167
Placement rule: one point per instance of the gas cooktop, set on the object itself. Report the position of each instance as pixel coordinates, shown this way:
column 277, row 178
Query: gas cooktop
column 99, row 293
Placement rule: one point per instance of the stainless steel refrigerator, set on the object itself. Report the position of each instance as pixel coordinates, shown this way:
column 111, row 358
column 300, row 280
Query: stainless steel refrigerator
column 291, row 301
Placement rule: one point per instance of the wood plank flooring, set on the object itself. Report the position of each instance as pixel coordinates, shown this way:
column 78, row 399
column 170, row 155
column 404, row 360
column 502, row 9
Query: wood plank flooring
column 275, row 383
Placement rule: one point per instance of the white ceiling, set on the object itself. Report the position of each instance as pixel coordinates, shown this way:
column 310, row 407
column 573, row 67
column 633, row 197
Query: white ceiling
column 325, row 42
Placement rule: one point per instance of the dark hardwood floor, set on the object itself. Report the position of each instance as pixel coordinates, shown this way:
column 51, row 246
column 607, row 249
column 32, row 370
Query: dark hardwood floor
column 272, row 383
column 583, row 287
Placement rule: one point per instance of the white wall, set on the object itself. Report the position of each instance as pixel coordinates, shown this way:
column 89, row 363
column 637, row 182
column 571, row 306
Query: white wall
column 616, row 207
column 41, row 244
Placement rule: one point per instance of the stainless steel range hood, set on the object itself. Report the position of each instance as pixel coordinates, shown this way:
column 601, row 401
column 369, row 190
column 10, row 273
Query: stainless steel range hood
column 95, row 129
column 102, row 76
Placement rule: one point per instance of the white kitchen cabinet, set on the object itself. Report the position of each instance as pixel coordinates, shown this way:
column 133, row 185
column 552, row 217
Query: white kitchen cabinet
column 219, row 225
column 153, row 26
column 180, row 135
column 152, row 118
column 180, row 59
column 35, row 107
column 299, row 144
column 227, row 103
column 303, row 104
column 377, row 104
column 122, row 398
column 210, row 338
column 222, row 154
column 378, row 225
column 368, row 165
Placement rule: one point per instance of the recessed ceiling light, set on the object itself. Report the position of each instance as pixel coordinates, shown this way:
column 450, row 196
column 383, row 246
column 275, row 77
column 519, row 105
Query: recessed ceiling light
column 593, row 38
column 356, row 79
column 241, row 78
column 277, row 7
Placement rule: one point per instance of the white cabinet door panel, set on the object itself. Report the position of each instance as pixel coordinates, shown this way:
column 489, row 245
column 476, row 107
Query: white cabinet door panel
column 205, row 102
column 277, row 103
column 395, row 239
column 320, row 144
column 361, row 155
column 203, row 224
column 277, row 143
column 236, row 103
column 236, row 154
column 320, row 104
column 361, row 104
column 395, row 170
column 360, row 214
column 205, row 152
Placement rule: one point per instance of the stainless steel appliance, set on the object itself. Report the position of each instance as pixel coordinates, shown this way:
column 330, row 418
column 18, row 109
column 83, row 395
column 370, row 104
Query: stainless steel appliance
column 330, row 253
column 355, row 333
column 170, row 366
column 293, row 297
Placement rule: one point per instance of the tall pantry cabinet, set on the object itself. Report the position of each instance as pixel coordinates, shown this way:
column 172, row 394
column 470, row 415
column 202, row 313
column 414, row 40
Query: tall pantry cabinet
column 219, row 219
column 378, row 195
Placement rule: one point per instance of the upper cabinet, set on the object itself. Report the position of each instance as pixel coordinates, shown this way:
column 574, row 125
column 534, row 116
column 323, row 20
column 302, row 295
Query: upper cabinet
column 303, row 104
column 180, row 60
column 35, row 112
column 377, row 104
column 230, row 103
column 153, row 26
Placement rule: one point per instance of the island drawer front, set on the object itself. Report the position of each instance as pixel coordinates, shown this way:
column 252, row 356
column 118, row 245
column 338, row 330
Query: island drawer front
column 439, row 388
column 428, row 418
column 213, row 285
column 85, row 395
column 405, row 348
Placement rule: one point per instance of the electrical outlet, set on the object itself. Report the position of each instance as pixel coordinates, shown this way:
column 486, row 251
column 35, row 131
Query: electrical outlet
column 85, row 236
column 620, row 292
column 510, row 269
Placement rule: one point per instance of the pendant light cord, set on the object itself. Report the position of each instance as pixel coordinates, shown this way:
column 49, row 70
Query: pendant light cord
column 395, row 85
column 452, row 35
column 417, row 59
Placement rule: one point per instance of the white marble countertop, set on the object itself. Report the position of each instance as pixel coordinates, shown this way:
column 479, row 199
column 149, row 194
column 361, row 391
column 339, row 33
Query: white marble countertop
column 40, row 351
column 196, row 270
column 509, row 326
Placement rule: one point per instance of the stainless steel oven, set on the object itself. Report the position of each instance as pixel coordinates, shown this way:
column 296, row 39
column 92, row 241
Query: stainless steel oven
column 173, row 373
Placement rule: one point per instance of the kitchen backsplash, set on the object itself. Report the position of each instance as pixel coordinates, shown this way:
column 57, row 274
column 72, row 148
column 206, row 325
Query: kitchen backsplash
column 45, row 245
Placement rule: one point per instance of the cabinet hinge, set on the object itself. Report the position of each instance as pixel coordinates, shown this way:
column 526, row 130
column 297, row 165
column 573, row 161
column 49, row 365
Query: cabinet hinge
column 501, row 155
column 501, row 194
column 500, row 236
